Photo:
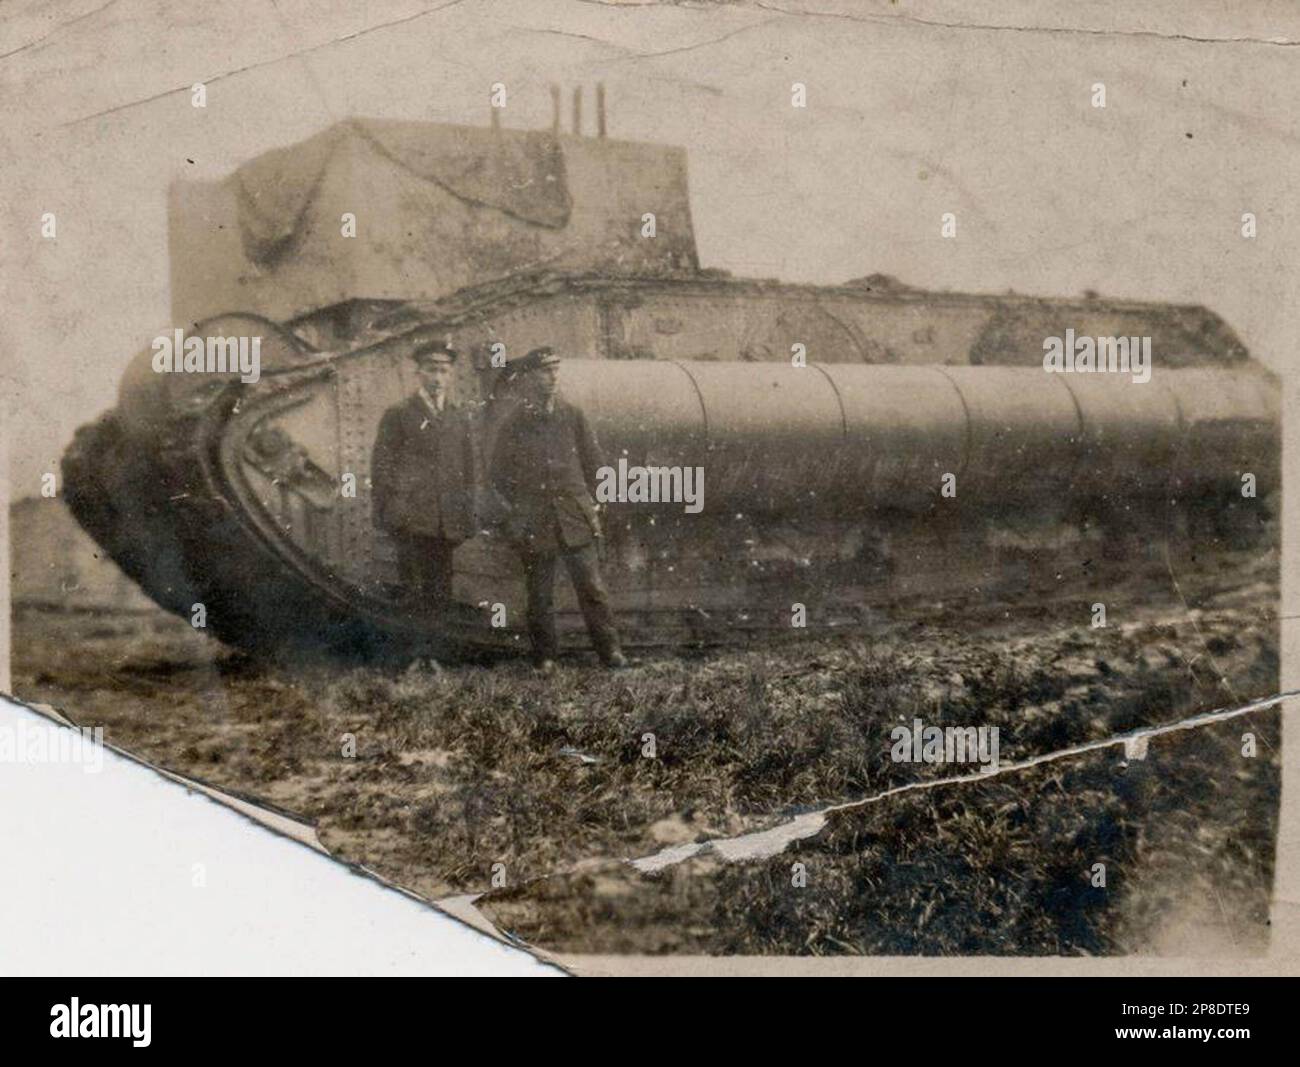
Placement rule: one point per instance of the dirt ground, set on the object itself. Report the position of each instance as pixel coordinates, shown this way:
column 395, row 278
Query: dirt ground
column 433, row 775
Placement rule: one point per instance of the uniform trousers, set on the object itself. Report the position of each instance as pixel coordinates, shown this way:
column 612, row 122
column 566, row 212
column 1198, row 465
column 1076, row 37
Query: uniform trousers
column 583, row 565
column 424, row 567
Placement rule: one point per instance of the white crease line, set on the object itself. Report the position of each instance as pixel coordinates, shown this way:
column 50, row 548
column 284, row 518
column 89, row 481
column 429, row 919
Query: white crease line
column 762, row 844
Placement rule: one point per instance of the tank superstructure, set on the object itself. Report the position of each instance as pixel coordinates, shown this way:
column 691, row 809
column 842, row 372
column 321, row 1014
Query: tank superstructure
column 825, row 418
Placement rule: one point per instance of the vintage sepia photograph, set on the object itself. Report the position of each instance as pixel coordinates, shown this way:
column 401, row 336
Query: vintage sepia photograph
column 678, row 487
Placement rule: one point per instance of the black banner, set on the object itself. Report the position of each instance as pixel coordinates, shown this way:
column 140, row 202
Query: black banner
column 337, row 1016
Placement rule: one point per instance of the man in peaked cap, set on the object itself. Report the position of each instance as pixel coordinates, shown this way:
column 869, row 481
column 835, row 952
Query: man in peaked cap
column 425, row 475
column 544, row 465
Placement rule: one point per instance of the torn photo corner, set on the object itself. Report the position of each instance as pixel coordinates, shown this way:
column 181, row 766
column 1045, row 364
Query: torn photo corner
column 172, row 864
column 673, row 510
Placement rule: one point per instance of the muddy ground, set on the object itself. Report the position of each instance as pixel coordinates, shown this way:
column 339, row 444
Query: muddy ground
column 458, row 769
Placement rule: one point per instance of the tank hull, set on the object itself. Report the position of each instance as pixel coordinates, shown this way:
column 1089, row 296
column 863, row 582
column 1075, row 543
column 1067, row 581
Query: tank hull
column 823, row 483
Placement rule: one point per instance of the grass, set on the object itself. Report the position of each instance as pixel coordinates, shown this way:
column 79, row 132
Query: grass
column 459, row 768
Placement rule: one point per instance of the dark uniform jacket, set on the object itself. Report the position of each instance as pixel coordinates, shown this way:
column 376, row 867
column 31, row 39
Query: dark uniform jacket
column 544, row 467
column 425, row 471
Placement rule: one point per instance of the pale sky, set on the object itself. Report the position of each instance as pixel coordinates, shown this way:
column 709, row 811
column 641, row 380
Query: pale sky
column 910, row 114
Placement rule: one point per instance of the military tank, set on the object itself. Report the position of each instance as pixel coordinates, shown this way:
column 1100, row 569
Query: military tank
column 861, row 444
